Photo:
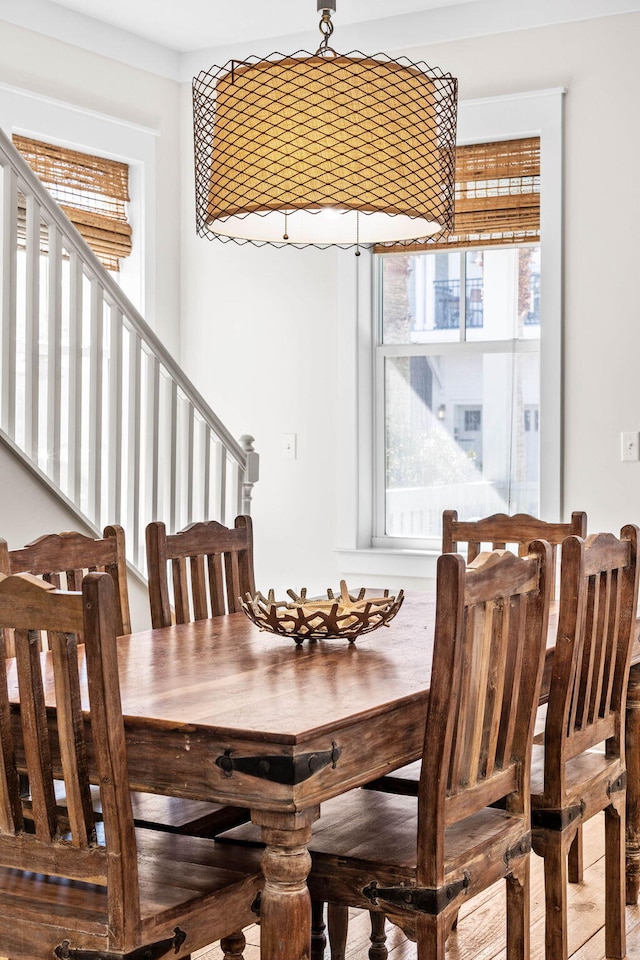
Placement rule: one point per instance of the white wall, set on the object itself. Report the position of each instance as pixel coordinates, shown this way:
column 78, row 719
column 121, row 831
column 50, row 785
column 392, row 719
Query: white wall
column 260, row 343
column 260, row 327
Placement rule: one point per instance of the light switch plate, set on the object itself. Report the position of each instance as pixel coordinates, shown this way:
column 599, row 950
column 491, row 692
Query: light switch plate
column 288, row 446
column 630, row 448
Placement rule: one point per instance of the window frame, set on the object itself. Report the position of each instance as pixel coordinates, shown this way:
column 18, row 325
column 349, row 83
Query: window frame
column 382, row 351
column 45, row 118
column 360, row 551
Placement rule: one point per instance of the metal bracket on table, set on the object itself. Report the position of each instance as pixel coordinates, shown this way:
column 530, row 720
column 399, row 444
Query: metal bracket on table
column 430, row 900
column 557, row 819
column 279, row 769
column 150, row 952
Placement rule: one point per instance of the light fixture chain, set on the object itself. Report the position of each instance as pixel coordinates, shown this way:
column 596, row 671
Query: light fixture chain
column 326, row 29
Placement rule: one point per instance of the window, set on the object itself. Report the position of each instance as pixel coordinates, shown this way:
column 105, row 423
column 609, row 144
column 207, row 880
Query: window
column 458, row 356
column 92, row 191
column 458, row 366
column 367, row 554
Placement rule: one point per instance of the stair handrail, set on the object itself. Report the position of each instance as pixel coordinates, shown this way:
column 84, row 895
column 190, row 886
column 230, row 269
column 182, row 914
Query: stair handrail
column 120, row 299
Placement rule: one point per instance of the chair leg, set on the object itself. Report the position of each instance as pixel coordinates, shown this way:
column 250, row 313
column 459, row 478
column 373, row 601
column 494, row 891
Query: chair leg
column 337, row 926
column 233, row 946
column 614, row 896
column 378, row 949
column 318, row 938
column 518, row 912
column 555, row 895
column 431, row 936
column 576, row 863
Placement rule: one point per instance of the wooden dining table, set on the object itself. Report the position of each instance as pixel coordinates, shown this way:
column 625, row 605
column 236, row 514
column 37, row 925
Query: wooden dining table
column 217, row 710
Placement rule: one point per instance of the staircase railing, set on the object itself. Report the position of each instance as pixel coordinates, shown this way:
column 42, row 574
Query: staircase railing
column 89, row 396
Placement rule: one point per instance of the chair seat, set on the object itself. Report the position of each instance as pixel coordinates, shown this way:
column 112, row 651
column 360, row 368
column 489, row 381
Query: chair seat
column 376, row 831
column 173, row 871
column 587, row 779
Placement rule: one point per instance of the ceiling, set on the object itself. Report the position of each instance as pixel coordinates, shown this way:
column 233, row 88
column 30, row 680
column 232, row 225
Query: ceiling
column 178, row 38
column 202, row 24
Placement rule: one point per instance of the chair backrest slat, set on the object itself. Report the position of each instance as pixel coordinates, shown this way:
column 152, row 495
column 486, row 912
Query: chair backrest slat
column 211, row 568
column 216, row 585
column 70, row 736
column 180, row 589
column 64, row 843
column 199, row 588
column 234, row 586
column 596, row 629
column 11, row 814
column 35, row 734
column 495, row 685
column 490, row 636
column 515, row 638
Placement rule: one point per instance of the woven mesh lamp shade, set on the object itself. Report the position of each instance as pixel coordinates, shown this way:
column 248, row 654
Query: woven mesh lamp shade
column 315, row 150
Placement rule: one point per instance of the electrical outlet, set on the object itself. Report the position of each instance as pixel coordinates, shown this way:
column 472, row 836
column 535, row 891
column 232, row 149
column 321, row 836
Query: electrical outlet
column 629, row 445
column 288, row 446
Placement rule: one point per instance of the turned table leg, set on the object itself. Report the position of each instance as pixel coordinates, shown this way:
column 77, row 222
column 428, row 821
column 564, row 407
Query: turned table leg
column 285, row 907
column 632, row 744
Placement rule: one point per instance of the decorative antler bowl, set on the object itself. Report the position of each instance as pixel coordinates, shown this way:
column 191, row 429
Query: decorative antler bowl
column 344, row 616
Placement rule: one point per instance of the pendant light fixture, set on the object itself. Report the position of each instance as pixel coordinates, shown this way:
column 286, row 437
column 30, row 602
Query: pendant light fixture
column 324, row 149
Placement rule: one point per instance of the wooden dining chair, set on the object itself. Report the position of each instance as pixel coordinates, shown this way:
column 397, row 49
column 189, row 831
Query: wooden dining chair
column 72, row 886
column 570, row 781
column 202, row 569
column 199, row 572
column 417, row 859
column 500, row 530
column 497, row 531
column 63, row 559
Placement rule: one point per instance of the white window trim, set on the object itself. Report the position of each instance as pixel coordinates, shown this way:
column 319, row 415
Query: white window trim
column 45, row 118
column 537, row 113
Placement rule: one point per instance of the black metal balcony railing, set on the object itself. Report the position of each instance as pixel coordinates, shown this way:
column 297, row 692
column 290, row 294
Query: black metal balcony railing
column 447, row 303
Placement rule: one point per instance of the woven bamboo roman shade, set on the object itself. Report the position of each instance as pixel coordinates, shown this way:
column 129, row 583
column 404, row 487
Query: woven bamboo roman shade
column 497, row 197
column 92, row 191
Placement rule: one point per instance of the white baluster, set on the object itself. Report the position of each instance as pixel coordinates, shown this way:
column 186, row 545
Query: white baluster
column 116, row 390
column 32, row 330
column 132, row 465
column 76, row 281
column 189, row 474
column 173, row 454
column 206, row 472
column 94, row 450
column 9, row 289
column 152, row 459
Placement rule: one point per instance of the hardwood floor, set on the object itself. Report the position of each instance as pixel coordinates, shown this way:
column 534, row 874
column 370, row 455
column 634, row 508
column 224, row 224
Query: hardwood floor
column 481, row 934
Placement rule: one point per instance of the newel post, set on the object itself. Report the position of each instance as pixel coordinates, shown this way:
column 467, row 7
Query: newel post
column 251, row 472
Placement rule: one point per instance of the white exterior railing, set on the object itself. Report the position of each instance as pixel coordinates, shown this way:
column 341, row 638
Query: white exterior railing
column 88, row 394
